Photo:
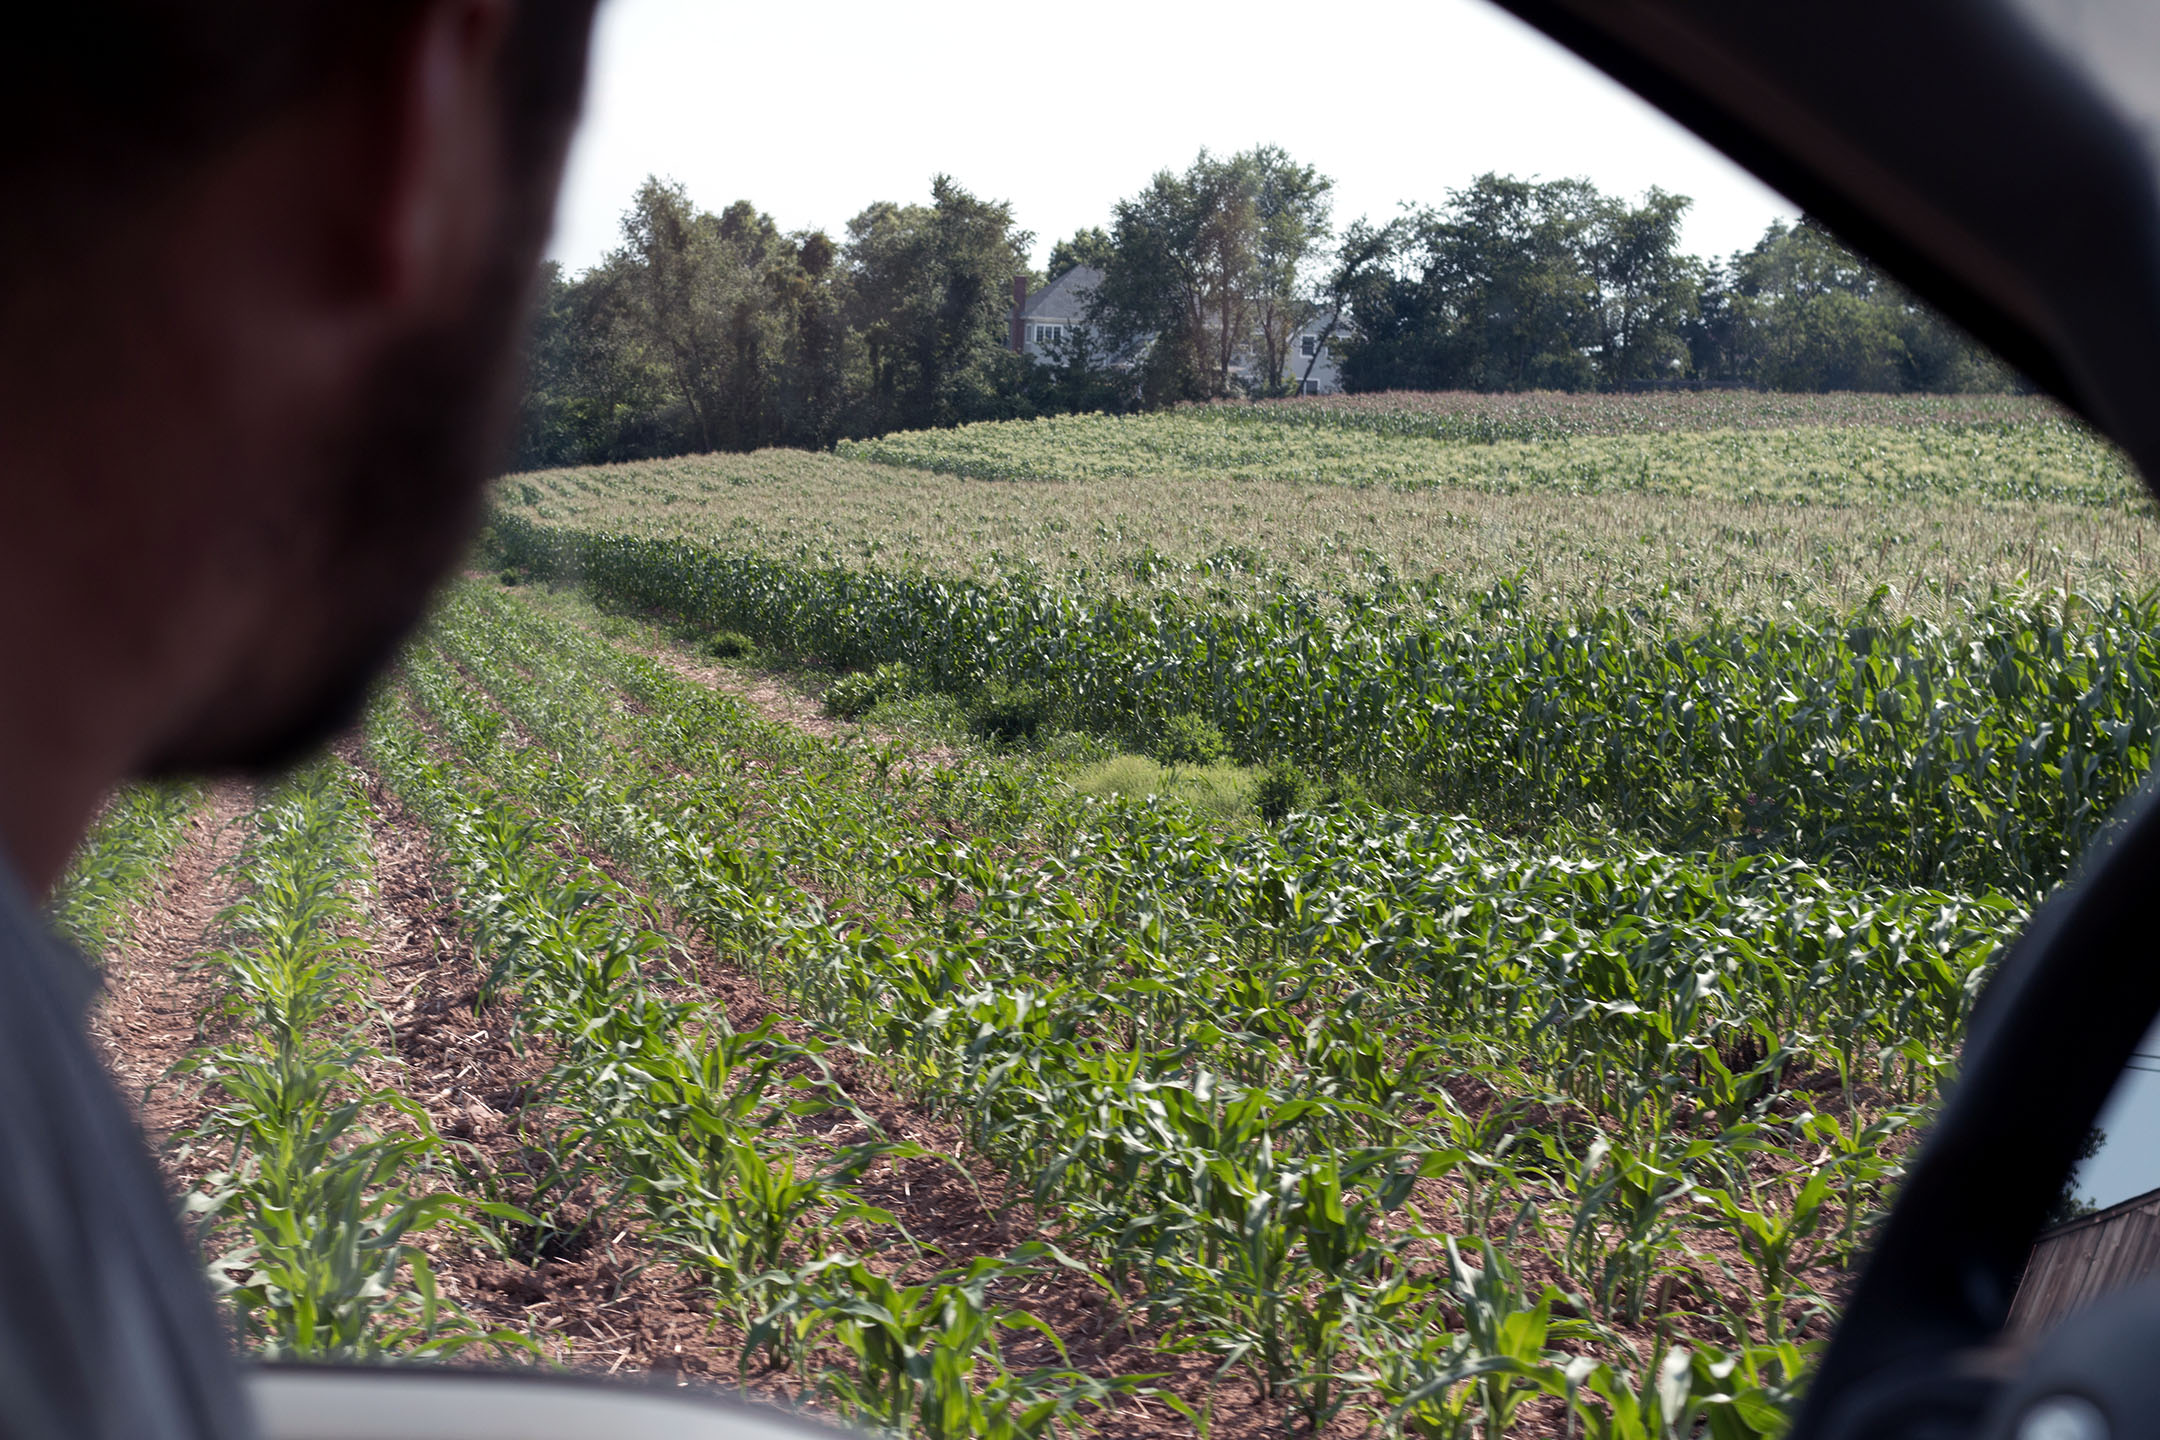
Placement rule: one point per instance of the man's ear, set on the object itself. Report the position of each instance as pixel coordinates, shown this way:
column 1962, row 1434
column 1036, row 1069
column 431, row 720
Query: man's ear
column 442, row 185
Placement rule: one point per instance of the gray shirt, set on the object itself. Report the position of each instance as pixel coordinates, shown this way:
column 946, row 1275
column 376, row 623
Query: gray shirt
column 107, row 1329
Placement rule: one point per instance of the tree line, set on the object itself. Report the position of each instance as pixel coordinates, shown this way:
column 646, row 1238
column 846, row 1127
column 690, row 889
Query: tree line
column 705, row 331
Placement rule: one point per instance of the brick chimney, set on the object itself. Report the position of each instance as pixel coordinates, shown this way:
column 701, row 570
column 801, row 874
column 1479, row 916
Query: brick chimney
column 1019, row 331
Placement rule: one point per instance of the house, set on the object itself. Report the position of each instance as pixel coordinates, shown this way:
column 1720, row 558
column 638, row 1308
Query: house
column 1314, row 346
column 1051, row 312
column 1042, row 317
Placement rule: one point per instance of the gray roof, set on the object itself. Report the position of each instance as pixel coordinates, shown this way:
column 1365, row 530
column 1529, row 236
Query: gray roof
column 1064, row 298
column 1344, row 329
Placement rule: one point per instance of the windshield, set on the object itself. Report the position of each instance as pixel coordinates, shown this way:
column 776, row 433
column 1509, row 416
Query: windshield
column 1155, row 729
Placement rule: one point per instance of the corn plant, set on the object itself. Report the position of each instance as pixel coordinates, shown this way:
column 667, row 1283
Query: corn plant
column 1625, row 1217
column 118, row 862
column 1238, row 1073
column 319, row 1192
column 928, row 1360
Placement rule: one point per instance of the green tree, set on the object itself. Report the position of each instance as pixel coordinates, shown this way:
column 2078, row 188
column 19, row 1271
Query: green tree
column 693, row 298
column 1506, row 257
column 1090, row 246
column 1291, row 223
column 813, row 395
column 698, row 332
column 1816, row 313
column 1799, row 311
column 1645, row 294
column 1491, row 291
column 1361, row 262
column 1211, row 264
column 930, row 290
column 593, row 393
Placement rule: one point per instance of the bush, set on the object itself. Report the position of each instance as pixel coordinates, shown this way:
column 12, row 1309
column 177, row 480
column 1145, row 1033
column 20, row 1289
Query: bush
column 509, row 577
column 1282, row 789
column 931, row 715
column 1009, row 712
column 1349, row 794
column 1189, row 740
column 729, row 645
column 853, row 696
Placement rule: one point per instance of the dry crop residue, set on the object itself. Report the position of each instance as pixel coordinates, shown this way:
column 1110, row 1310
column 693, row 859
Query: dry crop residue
column 773, row 699
column 155, row 1001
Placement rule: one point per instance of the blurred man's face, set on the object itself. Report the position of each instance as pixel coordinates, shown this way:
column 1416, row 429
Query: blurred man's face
column 260, row 313
column 388, row 509
column 379, row 476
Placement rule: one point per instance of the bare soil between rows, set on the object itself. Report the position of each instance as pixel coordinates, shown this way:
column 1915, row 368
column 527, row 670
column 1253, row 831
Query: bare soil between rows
column 606, row 1304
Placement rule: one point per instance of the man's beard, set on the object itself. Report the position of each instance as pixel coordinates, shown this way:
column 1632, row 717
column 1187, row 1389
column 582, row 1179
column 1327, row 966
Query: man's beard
column 405, row 477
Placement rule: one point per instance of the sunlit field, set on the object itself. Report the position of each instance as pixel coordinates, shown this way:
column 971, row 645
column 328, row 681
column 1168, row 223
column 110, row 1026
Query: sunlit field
column 1221, row 506
column 1429, row 916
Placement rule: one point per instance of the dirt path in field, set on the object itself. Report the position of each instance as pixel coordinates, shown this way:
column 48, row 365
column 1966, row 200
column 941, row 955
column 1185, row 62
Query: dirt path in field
column 773, row 699
column 771, row 696
column 155, row 1001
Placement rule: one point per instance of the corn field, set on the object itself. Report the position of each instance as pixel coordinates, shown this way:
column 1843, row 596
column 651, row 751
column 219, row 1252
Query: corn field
column 2036, row 458
column 1986, row 756
column 1558, row 1087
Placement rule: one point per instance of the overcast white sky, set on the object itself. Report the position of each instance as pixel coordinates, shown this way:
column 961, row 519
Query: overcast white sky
column 813, row 111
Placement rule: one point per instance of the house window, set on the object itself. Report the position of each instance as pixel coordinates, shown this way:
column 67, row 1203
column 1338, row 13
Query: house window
column 1311, row 344
column 1312, row 387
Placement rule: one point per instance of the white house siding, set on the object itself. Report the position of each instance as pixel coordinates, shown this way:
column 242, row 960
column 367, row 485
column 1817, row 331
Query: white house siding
column 1062, row 304
column 1326, row 377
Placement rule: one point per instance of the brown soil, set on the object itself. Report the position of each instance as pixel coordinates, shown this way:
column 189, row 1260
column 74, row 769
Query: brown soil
column 772, row 697
column 155, row 1002
column 483, row 1091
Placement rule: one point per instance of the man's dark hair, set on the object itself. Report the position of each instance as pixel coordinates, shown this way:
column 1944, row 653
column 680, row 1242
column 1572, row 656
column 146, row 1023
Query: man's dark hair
column 100, row 101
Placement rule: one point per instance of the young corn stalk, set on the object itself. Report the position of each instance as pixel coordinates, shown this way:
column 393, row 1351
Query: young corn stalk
column 118, row 863
column 322, row 1185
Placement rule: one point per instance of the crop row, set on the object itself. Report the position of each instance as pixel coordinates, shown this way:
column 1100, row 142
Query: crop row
column 1989, row 463
column 1983, row 756
column 1221, row 1067
column 319, row 1180
column 682, row 1121
column 1482, row 418
column 118, row 863
column 1423, row 908
column 1226, row 539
